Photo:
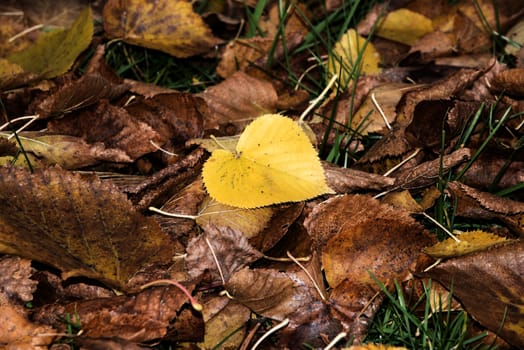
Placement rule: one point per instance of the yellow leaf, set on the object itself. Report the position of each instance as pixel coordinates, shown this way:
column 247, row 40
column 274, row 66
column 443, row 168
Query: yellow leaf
column 274, row 162
column 353, row 55
column 404, row 26
column 469, row 242
column 170, row 26
column 248, row 221
column 54, row 53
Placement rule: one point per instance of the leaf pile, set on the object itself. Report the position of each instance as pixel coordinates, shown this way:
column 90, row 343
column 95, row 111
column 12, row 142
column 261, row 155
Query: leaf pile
column 118, row 197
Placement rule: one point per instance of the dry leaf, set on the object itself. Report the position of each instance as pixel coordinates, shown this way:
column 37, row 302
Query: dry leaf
column 114, row 127
column 224, row 320
column 475, row 204
column 489, row 285
column 469, row 242
column 170, row 26
column 274, row 163
column 248, row 221
column 55, row 52
column 15, row 278
column 224, row 246
column 84, row 227
column 237, row 100
column 139, row 317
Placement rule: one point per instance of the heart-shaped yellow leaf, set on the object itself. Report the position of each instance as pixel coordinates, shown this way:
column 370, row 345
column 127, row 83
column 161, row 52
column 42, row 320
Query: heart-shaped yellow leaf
column 274, row 162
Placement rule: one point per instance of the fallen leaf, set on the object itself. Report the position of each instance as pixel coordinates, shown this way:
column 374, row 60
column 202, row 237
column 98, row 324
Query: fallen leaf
column 274, row 162
column 475, row 204
column 510, row 81
column 404, row 26
column 112, row 126
column 84, row 227
column 489, row 285
column 469, row 242
column 248, row 221
column 225, row 322
column 222, row 246
column 375, row 347
column 238, row 100
column 352, row 54
column 55, row 52
column 15, row 278
column 138, row 317
column 169, row 26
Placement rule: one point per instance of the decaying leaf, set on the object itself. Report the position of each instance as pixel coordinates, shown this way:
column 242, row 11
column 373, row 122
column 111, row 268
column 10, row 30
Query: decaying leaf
column 489, row 285
column 84, row 227
column 223, row 318
column 222, row 246
column 475, row 204
column 168, row 26
column 238, row 100
column 139, row 317
column 469, row 242
column 15, row 281
column 54, row 53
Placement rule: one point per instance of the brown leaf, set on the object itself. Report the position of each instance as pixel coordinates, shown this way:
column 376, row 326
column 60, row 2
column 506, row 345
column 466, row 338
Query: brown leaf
column 15, row 278
column 73, row 95
column 223, row 318
column 357, row 234
column 489, row 285
column 176, row 115
column 137, row 317
column 484, row 170
column 241, row 53
column 440, row 90
column 238, row 100
column 169, row 26
column 429, row 172
column 223, row 245
column 345, row 180
column 475, row 204
column 273, row 294
column 84, row 227
column 17, row 332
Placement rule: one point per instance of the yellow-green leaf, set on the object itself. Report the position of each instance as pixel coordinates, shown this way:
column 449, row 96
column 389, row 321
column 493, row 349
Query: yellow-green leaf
column 274, row 162
column 170, row 26
column 404, row 26
column 469, row 242
column 54, row 53
column 351, row 56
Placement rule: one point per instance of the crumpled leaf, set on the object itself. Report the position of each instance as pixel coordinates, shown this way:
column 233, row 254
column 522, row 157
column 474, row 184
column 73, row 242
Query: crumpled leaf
column 489, row 285
column 230, row 248
column 404, row 26
column 238, row 100
column 475, row 204
column 84, row 227
column 352, row 53
column 469, row 242
column 170, row 26
column 55, row 52
column 114, row 127
column 137, row 317
column 15, row 278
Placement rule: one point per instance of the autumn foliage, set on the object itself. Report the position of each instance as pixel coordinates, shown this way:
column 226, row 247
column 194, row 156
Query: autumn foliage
column 121, row 200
